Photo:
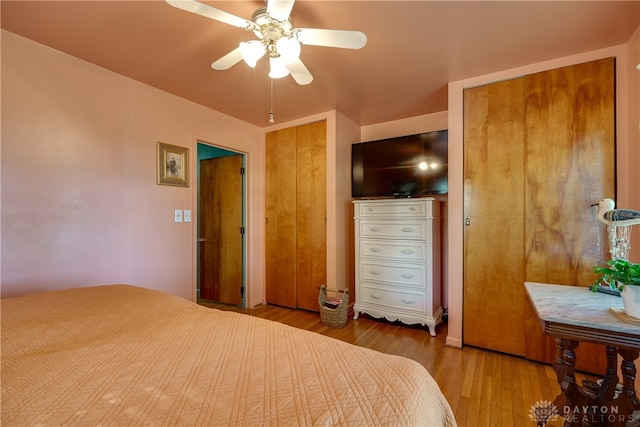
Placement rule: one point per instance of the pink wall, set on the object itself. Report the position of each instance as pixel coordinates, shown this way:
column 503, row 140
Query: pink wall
column 80, row 203
column 632, row 155
column 347, row 133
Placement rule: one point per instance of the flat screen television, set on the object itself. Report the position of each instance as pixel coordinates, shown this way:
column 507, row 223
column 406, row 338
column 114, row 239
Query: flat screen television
column 405, row 166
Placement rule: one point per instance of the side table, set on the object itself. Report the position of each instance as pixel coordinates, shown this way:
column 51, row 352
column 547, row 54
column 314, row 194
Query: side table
column 572, row 315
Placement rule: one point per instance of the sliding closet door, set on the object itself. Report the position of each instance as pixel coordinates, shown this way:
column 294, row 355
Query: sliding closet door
column 296, row 194
column 570, row 165
column 280, row 228
column 494, row 209
column 539, row 150
column 311, row 213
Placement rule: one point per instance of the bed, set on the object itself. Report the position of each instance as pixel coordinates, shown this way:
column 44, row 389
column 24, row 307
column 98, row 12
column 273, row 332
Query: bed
column 125, row 355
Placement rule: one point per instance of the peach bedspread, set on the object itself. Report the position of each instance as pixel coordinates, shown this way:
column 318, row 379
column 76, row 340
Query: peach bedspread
column 124, row 355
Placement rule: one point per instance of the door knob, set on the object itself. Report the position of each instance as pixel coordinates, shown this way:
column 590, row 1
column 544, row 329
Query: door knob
column 202, row 239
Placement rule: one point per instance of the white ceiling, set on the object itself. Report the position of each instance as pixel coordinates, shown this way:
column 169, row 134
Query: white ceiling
column 414, row 48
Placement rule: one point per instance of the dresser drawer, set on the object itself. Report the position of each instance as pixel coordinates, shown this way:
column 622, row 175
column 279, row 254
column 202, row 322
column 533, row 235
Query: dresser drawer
column 394, row 208
column 408, row 229
column 399, row 274
column 393, row 299
column 401, row 250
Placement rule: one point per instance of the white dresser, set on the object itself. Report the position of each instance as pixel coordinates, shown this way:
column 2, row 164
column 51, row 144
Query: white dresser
column 398, row 260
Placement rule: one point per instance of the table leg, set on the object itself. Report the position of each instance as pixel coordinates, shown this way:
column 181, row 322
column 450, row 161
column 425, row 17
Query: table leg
column 610, row 380
column 574, row 399
column 628, row 399
column 606, row 391
column 602, row 408
column 568, row 384
column 600, row 396
column 558, row 363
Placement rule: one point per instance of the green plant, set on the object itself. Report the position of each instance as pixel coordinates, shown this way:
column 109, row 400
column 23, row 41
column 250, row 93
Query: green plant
column 617, row 273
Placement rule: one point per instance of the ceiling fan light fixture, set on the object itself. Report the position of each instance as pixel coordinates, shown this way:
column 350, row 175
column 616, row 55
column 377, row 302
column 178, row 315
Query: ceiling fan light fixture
column 288, row 48
column 277, row 38
column 251, row 52
column 278, row 68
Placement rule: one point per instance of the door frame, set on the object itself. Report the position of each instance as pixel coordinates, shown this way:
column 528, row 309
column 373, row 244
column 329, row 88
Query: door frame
column 205, row 151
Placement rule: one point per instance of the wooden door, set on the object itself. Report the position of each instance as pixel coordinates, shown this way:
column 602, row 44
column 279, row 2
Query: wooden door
column 220, row 224
column 280, row 208
column 311, row 230
column 533, row 166
column 570, row 165
column 494, row 209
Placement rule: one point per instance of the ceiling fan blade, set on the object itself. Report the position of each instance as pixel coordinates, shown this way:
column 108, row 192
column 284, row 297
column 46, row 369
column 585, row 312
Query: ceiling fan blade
column 299, row 72
column 280, row 9
column 228, row 61
column 211, row 12
column 332, row 38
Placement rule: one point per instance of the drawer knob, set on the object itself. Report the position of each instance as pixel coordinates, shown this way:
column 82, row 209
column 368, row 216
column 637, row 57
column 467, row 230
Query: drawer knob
column 407, row 275
column 408, row 301
column 374, row 229
column 412, row 209
column 375, row 249
column 376, row 272
column 370, row 210
column 407, row 229
column 407, row 251
column 375, row 296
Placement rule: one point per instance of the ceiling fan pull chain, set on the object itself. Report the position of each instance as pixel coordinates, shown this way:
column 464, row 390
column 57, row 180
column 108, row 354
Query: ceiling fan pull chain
column 271, row 120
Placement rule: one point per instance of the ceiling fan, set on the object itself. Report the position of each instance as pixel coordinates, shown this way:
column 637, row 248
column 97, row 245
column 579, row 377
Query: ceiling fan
column 276, row 38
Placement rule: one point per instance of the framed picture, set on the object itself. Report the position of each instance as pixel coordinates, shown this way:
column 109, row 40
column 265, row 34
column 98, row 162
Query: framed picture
column 173, row 165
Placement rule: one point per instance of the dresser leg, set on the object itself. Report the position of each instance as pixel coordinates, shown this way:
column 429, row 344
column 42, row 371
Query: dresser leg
column 431, row 324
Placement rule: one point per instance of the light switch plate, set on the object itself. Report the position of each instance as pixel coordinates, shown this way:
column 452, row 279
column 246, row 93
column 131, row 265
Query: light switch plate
column 187, row 215
column 177, row 215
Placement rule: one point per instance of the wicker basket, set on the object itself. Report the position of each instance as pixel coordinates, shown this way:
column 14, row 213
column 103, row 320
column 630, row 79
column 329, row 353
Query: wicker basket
column 333, row 317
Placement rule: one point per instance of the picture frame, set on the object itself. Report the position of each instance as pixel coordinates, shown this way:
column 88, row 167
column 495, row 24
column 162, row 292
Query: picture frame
column 172, row 165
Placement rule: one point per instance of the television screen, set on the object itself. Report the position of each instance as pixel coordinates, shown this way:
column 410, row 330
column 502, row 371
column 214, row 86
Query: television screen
column 406, row 166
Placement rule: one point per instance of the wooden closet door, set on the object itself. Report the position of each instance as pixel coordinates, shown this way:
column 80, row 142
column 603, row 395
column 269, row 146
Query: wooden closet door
column 529, row 191
column 280, row 227
column 296, row 193
column 570, row 165
column 311, row 229
column 494, row 209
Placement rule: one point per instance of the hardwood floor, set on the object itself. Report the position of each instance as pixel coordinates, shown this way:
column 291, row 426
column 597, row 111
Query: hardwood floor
column 484, row 388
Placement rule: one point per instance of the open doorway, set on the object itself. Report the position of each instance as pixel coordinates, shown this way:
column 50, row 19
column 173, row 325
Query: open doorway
column 220, row 224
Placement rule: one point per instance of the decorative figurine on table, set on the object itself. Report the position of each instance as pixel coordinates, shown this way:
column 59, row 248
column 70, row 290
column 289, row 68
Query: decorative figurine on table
column 619, row 223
